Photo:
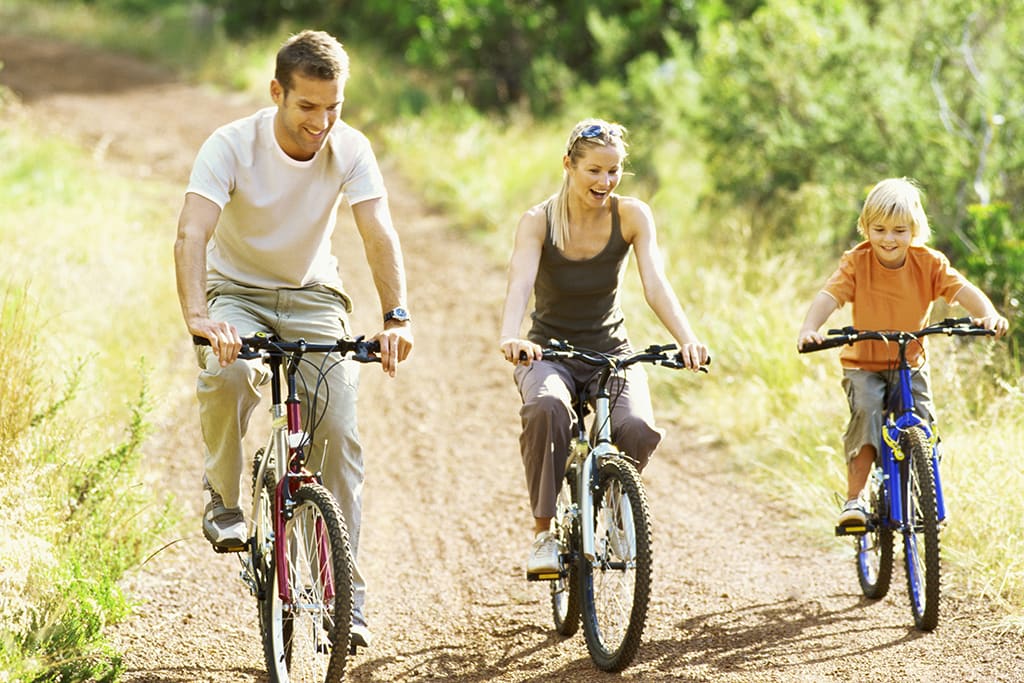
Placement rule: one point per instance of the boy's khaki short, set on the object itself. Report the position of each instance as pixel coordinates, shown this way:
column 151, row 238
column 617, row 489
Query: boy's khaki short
column 865, row 392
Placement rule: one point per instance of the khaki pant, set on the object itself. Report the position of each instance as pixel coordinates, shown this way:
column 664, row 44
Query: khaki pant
column 866, row 392
column 228, row 396
column 548, row 390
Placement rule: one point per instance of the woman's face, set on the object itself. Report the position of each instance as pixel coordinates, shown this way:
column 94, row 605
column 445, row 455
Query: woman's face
column 596, row 174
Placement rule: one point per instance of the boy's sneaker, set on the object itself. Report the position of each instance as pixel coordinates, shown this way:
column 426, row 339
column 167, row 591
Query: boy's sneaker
column 224, row 527
column 853, row 514
column 543, row 559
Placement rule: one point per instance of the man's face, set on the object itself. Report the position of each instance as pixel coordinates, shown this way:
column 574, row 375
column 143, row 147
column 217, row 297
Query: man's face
column 305, row 113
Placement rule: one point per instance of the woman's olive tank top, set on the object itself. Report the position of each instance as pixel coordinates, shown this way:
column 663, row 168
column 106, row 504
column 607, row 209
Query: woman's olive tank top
column 578, row 300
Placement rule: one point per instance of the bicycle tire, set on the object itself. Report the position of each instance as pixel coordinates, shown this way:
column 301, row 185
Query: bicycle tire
column 565, row 592
column 306, row 639
column 875, row 548
column 921, row 533
column 615, row 588
column 261, row 544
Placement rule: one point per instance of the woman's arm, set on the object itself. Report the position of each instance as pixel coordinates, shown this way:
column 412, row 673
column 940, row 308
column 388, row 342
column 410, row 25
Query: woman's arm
column 639, row 230
column 522, row 273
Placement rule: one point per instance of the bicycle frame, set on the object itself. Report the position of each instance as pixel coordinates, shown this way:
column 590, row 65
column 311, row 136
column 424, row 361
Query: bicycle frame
column 585, row 454
column 592, row 456
column 903, row 417
column 898, row 421
column 287, row 436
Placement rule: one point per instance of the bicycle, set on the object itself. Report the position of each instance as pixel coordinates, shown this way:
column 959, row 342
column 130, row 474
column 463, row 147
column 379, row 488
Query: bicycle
column 297, row 561
column 904, row 490
column 602, row 522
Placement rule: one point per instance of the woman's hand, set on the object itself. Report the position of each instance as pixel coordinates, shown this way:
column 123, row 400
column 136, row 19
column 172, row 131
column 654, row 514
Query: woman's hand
column 518, row 351
column 693, row 355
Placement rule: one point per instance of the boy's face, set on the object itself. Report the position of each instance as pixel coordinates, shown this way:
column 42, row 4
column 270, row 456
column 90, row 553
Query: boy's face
column 890, row 239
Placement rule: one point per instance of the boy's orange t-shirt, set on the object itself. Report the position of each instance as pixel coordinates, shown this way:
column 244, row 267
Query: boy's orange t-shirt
column 890, row 299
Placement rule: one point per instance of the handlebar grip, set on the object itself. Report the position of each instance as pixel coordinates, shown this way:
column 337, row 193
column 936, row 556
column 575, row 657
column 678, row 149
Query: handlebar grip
column 829, row 343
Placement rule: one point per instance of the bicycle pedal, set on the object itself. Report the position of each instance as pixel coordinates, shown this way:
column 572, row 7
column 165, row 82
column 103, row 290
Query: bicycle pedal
column 851, row 530
column 230, row 548
column 543, row 576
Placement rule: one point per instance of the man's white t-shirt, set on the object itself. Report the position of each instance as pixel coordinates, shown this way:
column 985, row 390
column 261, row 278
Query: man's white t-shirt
column 278, row 214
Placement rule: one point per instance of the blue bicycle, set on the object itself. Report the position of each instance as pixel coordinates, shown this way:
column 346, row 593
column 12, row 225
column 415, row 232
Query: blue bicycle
column 904, row 492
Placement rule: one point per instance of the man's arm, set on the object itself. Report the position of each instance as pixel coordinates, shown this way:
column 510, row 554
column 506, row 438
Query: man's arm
column 384, row 256
column 196, row 224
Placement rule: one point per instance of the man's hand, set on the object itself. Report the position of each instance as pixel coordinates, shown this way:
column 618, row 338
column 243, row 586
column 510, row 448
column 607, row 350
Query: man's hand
column 224, row 338
column 395, row 346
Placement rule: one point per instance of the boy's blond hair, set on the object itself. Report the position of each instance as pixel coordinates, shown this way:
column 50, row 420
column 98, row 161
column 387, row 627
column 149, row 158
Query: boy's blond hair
column 899, row 199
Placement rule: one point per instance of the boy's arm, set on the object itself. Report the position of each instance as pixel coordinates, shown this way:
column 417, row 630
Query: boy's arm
column 821, row 308
column 981, row 309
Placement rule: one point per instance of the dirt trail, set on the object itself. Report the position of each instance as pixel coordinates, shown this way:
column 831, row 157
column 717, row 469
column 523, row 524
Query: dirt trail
column 739, row 594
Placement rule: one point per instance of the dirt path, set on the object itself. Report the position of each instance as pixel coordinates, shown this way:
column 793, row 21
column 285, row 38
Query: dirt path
column 739, row 595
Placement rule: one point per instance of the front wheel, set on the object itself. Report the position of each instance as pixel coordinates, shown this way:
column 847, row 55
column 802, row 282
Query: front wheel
column 306, row 633
column 615, row 588
column 921, row 530
column 565, row 592
column 874, row 548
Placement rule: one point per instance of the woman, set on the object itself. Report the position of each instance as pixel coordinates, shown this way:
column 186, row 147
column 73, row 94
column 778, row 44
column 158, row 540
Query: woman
column 570, row 252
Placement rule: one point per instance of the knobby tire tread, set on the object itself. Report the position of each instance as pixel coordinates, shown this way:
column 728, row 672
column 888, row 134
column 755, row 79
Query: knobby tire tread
column 918, row 452
column 882, row 540
column 568, row 624
column 337, row 537
column 618, row 469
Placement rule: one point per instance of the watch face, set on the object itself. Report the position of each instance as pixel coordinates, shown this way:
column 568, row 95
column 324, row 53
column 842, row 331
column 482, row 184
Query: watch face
column 399, row 314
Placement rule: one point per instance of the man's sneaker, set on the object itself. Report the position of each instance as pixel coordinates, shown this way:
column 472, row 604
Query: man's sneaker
column 223, row 527
column 361, row 635
column 543, row 560
column 853, row 514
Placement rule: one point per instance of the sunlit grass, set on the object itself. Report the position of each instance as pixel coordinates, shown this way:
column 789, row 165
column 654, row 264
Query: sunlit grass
column 87, row 294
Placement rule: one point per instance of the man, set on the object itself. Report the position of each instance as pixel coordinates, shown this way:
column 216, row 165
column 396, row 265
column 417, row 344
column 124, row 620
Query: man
column 253, row 253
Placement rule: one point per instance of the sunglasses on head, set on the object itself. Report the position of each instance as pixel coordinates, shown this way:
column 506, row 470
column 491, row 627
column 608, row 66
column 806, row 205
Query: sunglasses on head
column 595, row 130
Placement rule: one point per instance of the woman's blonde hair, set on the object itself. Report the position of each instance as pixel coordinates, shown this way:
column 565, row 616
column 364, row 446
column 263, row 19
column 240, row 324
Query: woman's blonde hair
column 896, row 199
column 585, row 135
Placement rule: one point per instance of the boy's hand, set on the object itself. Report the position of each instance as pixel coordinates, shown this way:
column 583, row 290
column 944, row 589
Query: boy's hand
column 808, row 336
column 996, row 323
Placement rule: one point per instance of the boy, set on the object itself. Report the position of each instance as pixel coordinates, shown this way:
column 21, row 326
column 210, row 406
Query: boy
column 891, row 279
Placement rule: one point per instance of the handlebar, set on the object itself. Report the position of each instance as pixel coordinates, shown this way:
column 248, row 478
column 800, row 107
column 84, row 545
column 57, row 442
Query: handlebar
column 262, row 345
column 959, row 327
column 656, row 354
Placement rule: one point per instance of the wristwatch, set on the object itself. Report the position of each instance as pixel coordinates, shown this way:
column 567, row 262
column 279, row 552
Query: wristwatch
column 398, row 315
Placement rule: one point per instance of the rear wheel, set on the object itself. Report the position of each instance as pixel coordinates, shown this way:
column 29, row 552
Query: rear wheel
column 306, row 634
column 921, row 533
column 874, row 548
column 615, row 588
column 565, row 593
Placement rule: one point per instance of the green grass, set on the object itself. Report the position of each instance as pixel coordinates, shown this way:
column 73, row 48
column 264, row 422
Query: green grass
column 81, row 311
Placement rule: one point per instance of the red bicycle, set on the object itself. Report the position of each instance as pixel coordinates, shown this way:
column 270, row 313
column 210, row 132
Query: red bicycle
column 298, row 562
